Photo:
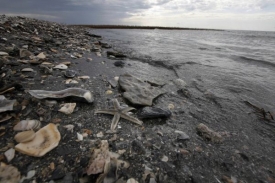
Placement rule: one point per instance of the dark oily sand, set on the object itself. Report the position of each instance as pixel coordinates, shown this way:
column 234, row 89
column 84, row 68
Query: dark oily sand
column 162, row 150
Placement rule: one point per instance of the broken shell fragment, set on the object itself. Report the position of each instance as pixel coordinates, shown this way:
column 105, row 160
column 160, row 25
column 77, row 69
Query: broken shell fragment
column 67, row 108
column 70, row 92
column 9, row 154
column 69, row 127
column 83, row 77
column 41, row 55
column 61, row 67
column 3, row 53
column 45, row 140
column 25, row 136
column 6, row 105
column 27, row 125
column 79, row 137
column 9, row 174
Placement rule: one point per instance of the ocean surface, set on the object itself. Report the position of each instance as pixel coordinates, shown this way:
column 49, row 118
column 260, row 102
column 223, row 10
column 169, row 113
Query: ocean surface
column 233, row 65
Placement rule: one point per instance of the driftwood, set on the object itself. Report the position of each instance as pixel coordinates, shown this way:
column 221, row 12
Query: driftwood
column 261, row 112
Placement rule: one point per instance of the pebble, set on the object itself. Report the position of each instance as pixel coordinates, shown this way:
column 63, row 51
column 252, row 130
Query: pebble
column 9, row 154
column 3, row 53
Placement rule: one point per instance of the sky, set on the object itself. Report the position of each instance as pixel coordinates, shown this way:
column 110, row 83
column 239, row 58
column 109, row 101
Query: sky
column 213, row 14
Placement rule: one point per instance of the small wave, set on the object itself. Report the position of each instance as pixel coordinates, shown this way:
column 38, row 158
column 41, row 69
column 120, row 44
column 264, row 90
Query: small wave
column 256, row 61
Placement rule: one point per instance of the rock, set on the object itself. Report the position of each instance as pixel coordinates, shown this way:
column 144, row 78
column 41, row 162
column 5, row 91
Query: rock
column 70, row 73
column 131, row 180
column 79, row 136
column 9, row 154
column 3, row 53
column 138, row 147
column 164, row 159
column 137, row 91
column 119, row 64
column 45, row 140
column 67, row 108
column 113, row 82
column 27, row 125
column 58, row 173
column 68, row 178
column 9, row 174
column 153, row 112
column 30, row 175
column 180, row 83
column 116, row 54
column 109, row 92
column 25, row 136
column 208, row 134
column 6, row 105
column 70, row 92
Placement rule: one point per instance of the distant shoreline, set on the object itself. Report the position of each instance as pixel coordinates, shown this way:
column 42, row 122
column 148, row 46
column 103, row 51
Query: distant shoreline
column 140, row 27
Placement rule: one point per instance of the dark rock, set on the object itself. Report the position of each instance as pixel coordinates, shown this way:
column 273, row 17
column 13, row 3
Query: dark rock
column 68, row 178
column 154, row 112
column 119, row 64
column 182, row 135
column 58, row 173
column 93, row 35
column 63, row 150
column 115, row 54
column 70, row 73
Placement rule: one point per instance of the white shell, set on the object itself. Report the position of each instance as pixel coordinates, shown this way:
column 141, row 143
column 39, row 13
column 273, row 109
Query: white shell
column 83, row 77
column 79, row 136
column 67, row 108
column 131, row 180
column 27, row 125
column 27, row 70
column 61, row 67
column 10, row 154
column 6, row 105
column 3, row 53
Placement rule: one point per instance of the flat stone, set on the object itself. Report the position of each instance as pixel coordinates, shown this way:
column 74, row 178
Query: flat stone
column 137, row 91
column 154, row 112
column 24, row 53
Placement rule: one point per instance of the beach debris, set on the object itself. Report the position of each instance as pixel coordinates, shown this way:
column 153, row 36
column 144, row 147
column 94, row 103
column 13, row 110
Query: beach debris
column 164, row 158
column 45, row 140
column 171, row 106
column 41, row 55
column 24, row 136
column 61, row 67
column 89, row 59
column 116, row 54
column 109, row 92
column 261, row 112
column 105, row 163
column 153, row 112
column 9, row 154
column 83, row 77
column 183, row 135
column 70, row 92
column 208, row 134
column 5, row 104
column 70, row 73
column 69, row 128
column 137, row 91
column 180, row 83
column 27, row 70
column 67, row 108
column 3, row 53
column 24, row 53
column 100, row 134
column 30, row 175
column 79, row 136
column 27, row 125
column 119, row 112
column 4, row 118
column 113, row 81
column 9, row 174
column 119, row 63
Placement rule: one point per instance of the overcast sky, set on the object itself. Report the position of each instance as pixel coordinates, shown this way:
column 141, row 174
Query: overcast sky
column 221, row 14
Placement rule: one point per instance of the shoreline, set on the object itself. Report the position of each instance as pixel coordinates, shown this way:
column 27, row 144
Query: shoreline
column 199, row 137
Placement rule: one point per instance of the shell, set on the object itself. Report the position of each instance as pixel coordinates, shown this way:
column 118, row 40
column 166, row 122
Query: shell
column 74, row 92
column 45, row 140
column 10, row 154
column 25, row 136
column 9, row 173
column 61, row 66
column 27, row 70
column 6, row 105
column 67, row 108
column 27, row 125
